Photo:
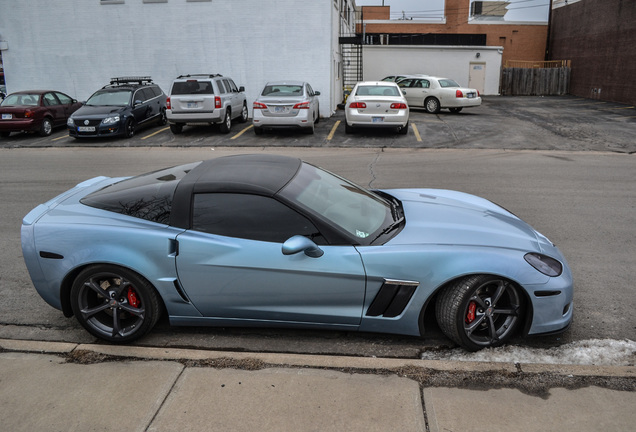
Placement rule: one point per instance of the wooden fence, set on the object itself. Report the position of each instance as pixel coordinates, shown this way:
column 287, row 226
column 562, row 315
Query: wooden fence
column 535, row 78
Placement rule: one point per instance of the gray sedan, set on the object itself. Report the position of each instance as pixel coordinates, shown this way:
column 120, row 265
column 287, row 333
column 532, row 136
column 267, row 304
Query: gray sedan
column 286, row 104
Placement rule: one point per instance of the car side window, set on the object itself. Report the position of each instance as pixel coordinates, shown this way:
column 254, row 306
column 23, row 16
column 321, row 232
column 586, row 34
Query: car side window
column 148, row 94
column 310, row 91
column 233, row 86
column 252, row 217
column 221, row 87
column 423, row 83
column 50, row 100
column 64, row 100
column 139, row 96
column 405, row 83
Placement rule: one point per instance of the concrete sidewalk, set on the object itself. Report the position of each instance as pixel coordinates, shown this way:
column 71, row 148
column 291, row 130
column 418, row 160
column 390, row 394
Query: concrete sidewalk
column 48, row 386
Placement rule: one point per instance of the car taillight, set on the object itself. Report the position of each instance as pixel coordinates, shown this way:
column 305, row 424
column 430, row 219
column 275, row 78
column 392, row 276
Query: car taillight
column 28, row 113
column 258, row 105
column 302, row 105
column 358, row 105
column 478, row 93
column 217, row 102
column 398, row 106
column 458, row 93
column 168, row 106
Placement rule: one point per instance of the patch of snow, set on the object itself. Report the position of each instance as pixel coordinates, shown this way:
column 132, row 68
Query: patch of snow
column 600, row 352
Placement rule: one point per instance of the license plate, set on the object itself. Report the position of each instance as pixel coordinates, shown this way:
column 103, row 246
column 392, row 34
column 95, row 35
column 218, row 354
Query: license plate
column 86, row 128
column 377, row 119
column 280, row 110
column 193, row 105
column 7, row 116
column 470, row 95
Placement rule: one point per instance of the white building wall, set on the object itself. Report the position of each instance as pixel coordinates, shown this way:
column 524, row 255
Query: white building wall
column 447, row 61
column 76, row 46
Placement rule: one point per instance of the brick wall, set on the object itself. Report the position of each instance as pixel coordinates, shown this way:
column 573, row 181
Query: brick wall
column 599, row 36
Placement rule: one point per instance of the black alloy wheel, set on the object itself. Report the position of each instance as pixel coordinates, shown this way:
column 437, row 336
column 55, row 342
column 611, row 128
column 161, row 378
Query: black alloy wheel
column 480, row 311
column 114, row 304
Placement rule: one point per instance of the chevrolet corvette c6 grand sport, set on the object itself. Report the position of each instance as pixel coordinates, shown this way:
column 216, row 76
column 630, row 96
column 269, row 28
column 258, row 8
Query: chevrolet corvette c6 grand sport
column 272, row 241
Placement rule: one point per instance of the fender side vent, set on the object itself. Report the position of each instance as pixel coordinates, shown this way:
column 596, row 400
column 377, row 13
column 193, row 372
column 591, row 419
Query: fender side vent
column 182, row 293
column 546, row 293
column 50, row 255
column 392, row 298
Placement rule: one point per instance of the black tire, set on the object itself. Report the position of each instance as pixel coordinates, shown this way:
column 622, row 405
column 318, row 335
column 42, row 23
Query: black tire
column 114, row 304
column 162, row 118
column 258, row 130
column 129, row 128
column 348, row 129
column 455, row 110
column 432, row 105
column 404, row 129
column 480, row 311
column 227, row 122
column 176, row 128
column 310, row 130
column 5, row 134
column 47, row 127
column 244, row 114
column 317, row 115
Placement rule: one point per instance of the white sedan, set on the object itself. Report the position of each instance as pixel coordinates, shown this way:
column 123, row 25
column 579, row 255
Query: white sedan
column 286, row 104
column 377, row 104
column 435, row 93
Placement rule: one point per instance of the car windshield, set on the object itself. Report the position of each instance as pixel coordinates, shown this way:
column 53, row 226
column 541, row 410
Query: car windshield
column 355, row 210
column 282, row 90
column 192, row 87
column 377, row 90
column 110, row 98
column 22, row 99
column 447, row 83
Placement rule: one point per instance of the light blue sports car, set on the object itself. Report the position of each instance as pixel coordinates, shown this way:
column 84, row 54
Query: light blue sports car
column 263, row 240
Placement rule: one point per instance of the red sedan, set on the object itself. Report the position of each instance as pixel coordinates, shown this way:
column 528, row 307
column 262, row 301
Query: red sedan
column 35, row 111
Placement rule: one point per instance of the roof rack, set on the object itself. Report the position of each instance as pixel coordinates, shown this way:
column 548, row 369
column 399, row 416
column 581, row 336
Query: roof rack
column 131, row 80
column 199, row 75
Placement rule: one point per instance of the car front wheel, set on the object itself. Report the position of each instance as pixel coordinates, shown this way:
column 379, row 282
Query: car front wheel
column 432, row 105
column 244, row 114
column 129, row 128
column 114, row 303
column 479, row 311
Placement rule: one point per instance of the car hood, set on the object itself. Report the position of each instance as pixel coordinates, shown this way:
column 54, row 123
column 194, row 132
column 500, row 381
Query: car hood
column 97, row 111
column 443, row 217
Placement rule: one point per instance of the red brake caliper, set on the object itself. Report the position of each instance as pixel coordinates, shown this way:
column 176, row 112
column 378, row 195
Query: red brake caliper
column 470, row 316
column 132, row 298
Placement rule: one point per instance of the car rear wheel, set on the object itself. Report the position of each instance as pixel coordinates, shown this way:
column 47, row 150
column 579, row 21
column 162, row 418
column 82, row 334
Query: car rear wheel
column 455, row 110
column 5, row 134
column 479, row 311
column 227, row 122
column 244, row 114
column 114, row 303
column 258, row 130
column 162, row 118
column 129, row 128
column 348, row 129
column 46, row 128
column 432, row 105
column 404, row 129
column 176, row 128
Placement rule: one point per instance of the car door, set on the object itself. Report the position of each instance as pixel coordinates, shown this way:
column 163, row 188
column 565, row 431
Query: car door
column 141, row 108
column 313, row 98
column 231, row 265
column 54, row 107
column 68, row 104
column 234, row 97
column 415, row 91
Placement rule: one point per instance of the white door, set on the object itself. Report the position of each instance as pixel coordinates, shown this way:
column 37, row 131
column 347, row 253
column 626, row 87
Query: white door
column 477, row 76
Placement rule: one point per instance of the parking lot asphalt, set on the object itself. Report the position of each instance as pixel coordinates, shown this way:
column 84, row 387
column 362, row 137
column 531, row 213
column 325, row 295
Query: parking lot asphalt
column 515, row 123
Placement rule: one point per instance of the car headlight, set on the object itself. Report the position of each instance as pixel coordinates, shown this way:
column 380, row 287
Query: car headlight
column 546, row 265
column 110, row 120
column 70, row 122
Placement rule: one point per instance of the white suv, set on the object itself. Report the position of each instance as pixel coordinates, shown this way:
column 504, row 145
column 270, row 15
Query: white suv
column 205, row 99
